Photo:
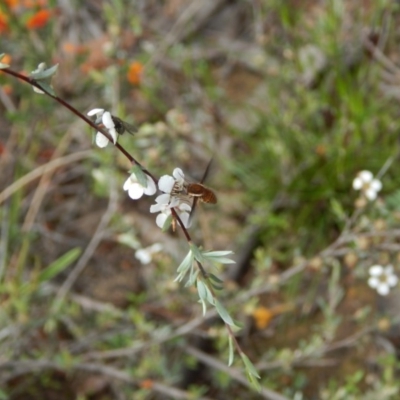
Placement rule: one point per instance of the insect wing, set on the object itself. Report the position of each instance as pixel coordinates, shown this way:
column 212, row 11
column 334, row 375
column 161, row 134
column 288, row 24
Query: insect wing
column 122, row 126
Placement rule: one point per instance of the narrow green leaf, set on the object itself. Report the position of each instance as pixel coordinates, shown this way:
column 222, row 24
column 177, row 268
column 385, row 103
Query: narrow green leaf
column 204, row 305
column 59, row 265
column 221, row 260
column 184, row 267
column 202, row 290
column 223, row 313
column 254, row 382
column 167, row 223
column 231, row 351
column 194, row 272
column 2, row 55
column 216, row 286
column 215, row 278
column 250, row 368
column 197, row 253
column 46, row 87
column 218, row 253
column 186, row 263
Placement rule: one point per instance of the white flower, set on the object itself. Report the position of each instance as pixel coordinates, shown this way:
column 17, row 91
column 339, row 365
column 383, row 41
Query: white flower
column 171, row 186
column 106, row 118
column 382, row 279
column 136, row 190
column 164, row 208
column 369, row 186
column 144, row 255
column 168, row 184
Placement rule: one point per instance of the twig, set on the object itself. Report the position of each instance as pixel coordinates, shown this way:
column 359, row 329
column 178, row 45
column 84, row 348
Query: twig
column 90, row 249
column 39, row 171
column 232, row 372
column 23, row 367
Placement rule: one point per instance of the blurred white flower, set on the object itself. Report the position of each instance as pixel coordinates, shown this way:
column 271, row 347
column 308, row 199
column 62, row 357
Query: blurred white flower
column 106, row 118
column 382, row 279
column 145, row 255
column 369, row 186
column 136, row 190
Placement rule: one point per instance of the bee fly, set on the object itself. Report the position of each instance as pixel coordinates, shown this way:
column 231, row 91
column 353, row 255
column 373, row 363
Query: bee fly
column 122, row 126
column 196, row 191
column 200, row 192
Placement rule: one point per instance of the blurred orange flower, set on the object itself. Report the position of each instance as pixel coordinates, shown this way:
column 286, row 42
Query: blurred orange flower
column 3, row 22
column 5, row 60
column 7, row 89
column 39, row 19
column 72, row 48
column 262, row 317
column 146, row 384
column 134, row 74
column 12, row 3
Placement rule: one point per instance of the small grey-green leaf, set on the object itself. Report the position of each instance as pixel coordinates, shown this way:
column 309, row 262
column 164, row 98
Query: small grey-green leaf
column 202, row 290
column 204, row 305
column 167, row 223
column 194, row 272
column 231, row 351
column 223, row 313
column 216, row 286
column 186, row 262
column 140, row 175
column 197, row 253
column 254, row 382
column 47, row 88
column 215, row 278
column 250, row 368
column 218, row 253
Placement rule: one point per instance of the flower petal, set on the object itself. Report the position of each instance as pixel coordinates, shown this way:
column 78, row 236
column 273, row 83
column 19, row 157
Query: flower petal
column 164, row 198
column 392, row 280
column 107, row 120
column 113, row 134
column 185, row 207
column 129, row 182
column 160, row 220
column 373, row 282
column 178, row 174
column 166, row 183
column 376, row 270
column 370, row 194
column 365, row 176
column 143, row 255
column 357, row 183
column 156, row 208
column 135, row 191
column 184, row 216
column 151, row 187
column 376, row 184
column 95, row 111
column 383, row 289
column 101, row 140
